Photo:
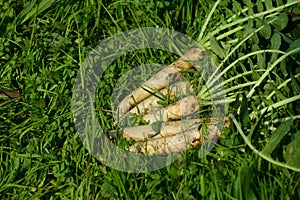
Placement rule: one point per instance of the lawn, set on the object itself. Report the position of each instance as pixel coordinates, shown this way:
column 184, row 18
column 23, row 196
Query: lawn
column 255, row 48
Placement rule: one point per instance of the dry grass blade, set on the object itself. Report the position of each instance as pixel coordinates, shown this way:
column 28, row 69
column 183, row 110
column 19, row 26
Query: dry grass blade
column 11, row 94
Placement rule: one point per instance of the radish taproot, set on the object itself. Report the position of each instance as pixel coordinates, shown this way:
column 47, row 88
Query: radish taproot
column 179, row 142
column 163, row 129
column 181, row 108
column 159, row 81
column 178, row 89
column 163, row 135
column 156, row 130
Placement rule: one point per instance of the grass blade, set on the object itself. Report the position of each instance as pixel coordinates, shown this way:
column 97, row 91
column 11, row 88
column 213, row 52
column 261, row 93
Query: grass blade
column 266, row 157
column 276, row 137
column 33, row 9
column 207, row 20
column 263, row 77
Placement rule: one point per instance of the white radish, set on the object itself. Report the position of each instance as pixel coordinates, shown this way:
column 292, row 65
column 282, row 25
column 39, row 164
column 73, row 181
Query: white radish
column 178, row 142
column 152, row 131
column 182, row 108
column 157, row 130
column 159, row 81
column 178, row 89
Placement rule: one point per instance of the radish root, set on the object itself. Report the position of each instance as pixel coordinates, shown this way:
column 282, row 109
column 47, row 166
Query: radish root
column 182, row 108
column 168, row 130
column 158, row 81
column 179, row 142
column 178, row 89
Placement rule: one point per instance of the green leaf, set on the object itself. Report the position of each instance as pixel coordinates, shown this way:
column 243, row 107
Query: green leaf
column 295, row 44
column 275, row 41
column 269, row 4
column 278, row 93
column 155, row 126
column 277, row 136
column 216, row 48
column 243, row 184
column 34, row 9
column 244, row 113
column 281, row 21
column 236, row 6
column 295, row 85
column 293, row 151
column 266, row 31
column 283, row 68
column 29, row 7
column 260, row 7
column 250, row 7
column 275, row 44
column 255, row 38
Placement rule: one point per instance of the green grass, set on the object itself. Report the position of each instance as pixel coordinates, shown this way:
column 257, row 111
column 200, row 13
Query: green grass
column 256, row 50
